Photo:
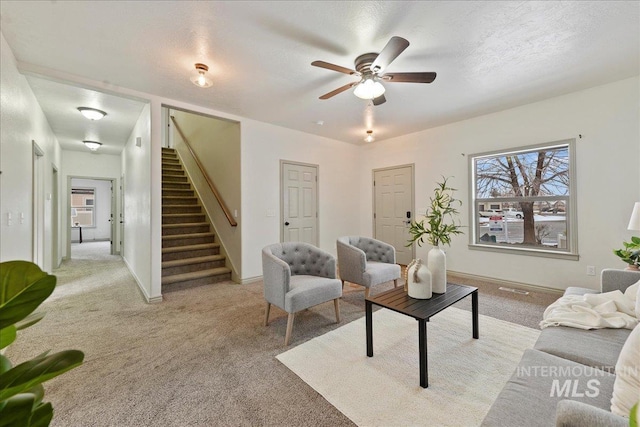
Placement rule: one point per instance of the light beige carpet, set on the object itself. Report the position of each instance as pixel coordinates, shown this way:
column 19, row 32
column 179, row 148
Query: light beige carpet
column 465, row 375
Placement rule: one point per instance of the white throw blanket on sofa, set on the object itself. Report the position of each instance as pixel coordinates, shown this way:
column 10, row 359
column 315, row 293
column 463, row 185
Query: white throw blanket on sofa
column 593, row 311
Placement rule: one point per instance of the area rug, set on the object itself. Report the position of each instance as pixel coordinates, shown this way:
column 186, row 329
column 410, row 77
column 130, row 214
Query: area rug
column 465, row 375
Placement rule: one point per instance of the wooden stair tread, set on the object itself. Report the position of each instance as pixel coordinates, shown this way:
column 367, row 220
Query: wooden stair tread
column 166, row 280
column 180, row 215
column 185, row 224
column 187, row 236
column 187, row 248
column 194, row 260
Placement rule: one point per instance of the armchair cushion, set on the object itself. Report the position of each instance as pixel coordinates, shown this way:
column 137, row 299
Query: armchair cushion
column 380, row 272
column 307, row 291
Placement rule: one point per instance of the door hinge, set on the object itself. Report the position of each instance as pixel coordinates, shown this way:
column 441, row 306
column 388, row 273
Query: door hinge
column 374, row 215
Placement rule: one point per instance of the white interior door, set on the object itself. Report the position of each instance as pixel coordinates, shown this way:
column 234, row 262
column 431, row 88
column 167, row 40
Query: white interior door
column 393, row 209
column 299, row 203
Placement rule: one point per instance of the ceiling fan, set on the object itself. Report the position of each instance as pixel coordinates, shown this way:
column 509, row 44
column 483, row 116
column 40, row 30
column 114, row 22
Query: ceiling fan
column 370, row 67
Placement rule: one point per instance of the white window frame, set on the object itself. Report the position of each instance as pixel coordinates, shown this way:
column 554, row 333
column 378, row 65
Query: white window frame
column 571, row 252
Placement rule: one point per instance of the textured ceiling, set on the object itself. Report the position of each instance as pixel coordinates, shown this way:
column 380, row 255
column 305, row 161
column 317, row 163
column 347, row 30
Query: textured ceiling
column 60, row 104
column 489, row 56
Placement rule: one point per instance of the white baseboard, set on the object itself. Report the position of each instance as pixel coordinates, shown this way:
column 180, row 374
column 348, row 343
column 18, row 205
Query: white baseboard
column 250, row 280
column 141, row 288
column 502, row 282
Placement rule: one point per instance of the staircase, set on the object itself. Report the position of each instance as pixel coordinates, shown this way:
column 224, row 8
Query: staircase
column 190, row 254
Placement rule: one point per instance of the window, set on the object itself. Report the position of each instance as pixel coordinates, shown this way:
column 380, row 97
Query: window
column 531, row 195
column 82, row 207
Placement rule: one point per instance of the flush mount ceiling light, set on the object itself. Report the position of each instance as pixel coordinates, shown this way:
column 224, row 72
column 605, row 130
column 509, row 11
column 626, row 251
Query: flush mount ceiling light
column 92, row 113
column 200, row 78
column 369, row 137
column 92, row 145
column 368, row 88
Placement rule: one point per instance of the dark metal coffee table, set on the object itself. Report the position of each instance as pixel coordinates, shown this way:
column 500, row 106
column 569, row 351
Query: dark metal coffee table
column 398, row 300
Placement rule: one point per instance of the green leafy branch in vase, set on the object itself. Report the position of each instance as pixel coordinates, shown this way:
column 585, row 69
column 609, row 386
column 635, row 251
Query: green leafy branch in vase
column 440, row 223
column 23, row 287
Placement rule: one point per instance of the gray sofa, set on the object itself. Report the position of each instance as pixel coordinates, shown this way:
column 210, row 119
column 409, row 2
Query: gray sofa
column 567, row 378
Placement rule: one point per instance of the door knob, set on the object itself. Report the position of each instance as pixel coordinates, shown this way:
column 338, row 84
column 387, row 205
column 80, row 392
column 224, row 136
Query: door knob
column 286, row 223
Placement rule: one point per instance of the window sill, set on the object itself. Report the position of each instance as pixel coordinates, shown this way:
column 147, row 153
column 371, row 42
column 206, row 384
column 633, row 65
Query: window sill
column 528, row 252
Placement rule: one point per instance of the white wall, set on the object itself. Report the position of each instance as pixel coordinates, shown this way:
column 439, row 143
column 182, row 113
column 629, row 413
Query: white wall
column 102, row 210
column 89, row 165
column 263, row 146
column 21, row 122
column 607, row 176
column 136, row 167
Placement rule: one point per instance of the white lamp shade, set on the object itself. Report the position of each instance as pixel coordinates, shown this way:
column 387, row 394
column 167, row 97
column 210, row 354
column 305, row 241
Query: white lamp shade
column 92, row 113
column 368, row 89
column 634, row 222
column 92, row 145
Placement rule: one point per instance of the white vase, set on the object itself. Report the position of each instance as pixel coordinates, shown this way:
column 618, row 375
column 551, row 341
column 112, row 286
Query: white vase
column 419, row 280
column 437, row 265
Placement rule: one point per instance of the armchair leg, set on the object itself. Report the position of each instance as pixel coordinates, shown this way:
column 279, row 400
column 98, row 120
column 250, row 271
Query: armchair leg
column 337, row 306
column 289, row 328
column 395, row 283
column 366, row 292
column 266, row 314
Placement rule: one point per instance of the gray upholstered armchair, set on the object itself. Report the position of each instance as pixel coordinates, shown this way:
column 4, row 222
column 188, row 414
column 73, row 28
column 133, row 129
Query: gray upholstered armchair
column 367, row 262
column 298, row 276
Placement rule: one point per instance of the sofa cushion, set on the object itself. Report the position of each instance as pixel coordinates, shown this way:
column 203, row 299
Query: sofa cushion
column 542, row 380
column 626, row 389
column 598, row 348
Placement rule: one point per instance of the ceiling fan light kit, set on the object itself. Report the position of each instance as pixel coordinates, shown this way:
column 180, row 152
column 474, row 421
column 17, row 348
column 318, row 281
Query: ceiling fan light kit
column 370, row 68
column 368, row 89
column 92, row 145
column 199, row 77
column 92, row 113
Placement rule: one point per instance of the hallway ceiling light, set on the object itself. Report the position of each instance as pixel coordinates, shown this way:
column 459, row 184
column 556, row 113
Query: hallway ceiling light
column 369, row 137
column 92, row 113
column 200, row 78
column 92, row 145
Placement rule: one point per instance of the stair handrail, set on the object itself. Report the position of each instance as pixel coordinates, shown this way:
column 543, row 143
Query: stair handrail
column 213, row 188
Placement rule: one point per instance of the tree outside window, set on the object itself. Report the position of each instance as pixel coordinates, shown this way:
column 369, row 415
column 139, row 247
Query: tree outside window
column 529, row 192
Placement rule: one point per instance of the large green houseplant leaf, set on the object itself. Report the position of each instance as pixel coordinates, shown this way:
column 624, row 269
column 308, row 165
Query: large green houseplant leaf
column 23, row 287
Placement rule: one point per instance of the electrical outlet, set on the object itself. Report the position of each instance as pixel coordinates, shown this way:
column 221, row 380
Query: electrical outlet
column 591, row 270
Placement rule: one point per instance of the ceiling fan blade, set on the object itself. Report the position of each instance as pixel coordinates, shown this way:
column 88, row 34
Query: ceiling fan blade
column 409, row 77
column 334, row 67
column 339, row 90
column 379, row 100
column 394, row 47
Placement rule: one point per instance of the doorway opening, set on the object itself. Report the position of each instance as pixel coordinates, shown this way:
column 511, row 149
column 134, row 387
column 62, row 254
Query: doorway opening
column 92, row 226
